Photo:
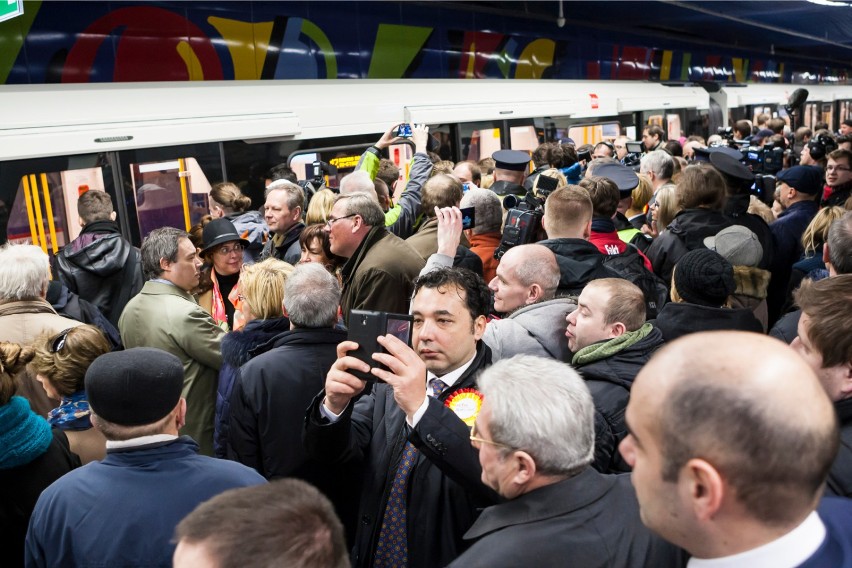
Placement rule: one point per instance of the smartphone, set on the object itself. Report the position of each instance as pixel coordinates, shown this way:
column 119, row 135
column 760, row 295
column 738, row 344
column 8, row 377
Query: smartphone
column 364, row 329
column 585, row 155
column 402, row 131
column 635, row 148
column 468, row 217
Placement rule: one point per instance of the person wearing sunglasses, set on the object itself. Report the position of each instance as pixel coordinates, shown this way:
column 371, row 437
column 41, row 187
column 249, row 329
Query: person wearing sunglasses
column 535, row 436
column 222, row 252
column 60, row 364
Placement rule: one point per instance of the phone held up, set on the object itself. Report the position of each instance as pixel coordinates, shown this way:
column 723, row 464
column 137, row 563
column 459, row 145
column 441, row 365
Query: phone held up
column 364, row 329
column 402, row 131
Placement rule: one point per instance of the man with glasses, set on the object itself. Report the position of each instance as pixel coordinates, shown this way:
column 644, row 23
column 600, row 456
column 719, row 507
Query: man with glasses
column 838, row 177
column 381, row 269
column 535, row 435
column 166, row 316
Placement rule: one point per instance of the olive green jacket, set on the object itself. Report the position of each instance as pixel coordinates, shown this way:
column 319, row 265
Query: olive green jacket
column 168, row 318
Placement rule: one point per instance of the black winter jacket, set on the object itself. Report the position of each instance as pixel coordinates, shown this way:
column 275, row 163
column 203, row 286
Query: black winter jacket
column 680, row 318
column 609, row 380
column 238, row 347
column 736, row 208
column 840, row 475
column 579, row 262
column 102, row 268
column 445, row 491
column 685, row 233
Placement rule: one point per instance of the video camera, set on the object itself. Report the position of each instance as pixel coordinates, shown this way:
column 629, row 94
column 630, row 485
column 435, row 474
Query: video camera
column 633, row 157
column 315, row 182
column 767, row 160
column 523, row 221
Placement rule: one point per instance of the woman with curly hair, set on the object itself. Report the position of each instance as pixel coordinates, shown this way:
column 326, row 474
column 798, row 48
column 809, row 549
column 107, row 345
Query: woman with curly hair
column 59, row 363
column 32, row 455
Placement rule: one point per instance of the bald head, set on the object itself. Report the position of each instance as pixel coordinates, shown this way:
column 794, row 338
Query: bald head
column 748, row 406
column 527, row 274
column 358, row 181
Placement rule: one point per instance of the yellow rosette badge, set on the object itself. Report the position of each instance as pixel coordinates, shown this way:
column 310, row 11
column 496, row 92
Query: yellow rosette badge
column 466, row 403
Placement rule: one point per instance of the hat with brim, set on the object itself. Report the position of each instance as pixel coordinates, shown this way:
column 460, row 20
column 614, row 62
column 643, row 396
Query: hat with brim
column 513, row 160
column 623, row 177
column 220, row 231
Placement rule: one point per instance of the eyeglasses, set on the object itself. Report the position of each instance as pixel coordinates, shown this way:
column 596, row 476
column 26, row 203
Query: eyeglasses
column 59, row 341
column 837, row 169
column 225, row 251
column 331, row 220
column 475, row 440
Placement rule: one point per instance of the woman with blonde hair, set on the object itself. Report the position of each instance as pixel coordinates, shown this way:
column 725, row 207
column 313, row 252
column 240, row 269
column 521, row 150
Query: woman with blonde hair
column 261, row 299
column 811, row 264
column 59, row 363
column 319, row 207
column 228, row 202
column 32, row 454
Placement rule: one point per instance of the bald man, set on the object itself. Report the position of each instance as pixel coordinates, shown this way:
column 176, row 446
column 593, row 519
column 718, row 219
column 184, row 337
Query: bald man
column 525, row 292
column 730, row 454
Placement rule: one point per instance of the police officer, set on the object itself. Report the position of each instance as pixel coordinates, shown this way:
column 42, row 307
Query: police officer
column 510, row 168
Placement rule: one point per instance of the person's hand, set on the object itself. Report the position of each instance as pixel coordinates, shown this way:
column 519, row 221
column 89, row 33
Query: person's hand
column 341, row 386
column 420, row 137
column 449, row 229
column 388, row 138
column 407, row 375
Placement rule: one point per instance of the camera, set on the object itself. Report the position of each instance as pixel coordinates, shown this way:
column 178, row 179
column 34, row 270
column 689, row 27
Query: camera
column 768, row 159
column 523, row 222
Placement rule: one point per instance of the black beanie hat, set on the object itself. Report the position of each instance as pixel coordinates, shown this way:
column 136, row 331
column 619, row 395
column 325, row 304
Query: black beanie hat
column 134, row 387
column 704, row 277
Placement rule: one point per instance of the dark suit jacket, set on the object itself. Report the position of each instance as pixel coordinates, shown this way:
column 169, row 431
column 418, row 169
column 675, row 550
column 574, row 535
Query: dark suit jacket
column 444, row 490
column 589, row 520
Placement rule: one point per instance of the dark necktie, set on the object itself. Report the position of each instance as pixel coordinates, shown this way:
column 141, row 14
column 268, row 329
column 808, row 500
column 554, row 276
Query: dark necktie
column 392, row 546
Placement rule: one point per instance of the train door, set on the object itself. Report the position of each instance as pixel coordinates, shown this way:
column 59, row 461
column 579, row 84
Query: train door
column 844, row 111
column 479, row 140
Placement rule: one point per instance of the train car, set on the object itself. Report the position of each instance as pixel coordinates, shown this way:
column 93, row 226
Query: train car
column 158, row 147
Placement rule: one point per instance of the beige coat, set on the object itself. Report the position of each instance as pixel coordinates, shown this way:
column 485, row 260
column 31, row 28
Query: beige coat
column 23, row 322
column 168, row 318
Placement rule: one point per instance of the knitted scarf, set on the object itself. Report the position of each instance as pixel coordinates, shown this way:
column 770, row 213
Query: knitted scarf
column 24, row 435
column 602, row 350
column 72, row 414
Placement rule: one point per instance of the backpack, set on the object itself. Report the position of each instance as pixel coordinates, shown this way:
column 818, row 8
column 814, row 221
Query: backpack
column 629, row 265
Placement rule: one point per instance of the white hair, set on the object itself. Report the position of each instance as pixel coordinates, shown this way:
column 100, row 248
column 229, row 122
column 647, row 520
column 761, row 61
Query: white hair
column 311, row 296
column 488, row 210
column 358, row 181
column 660, row 162
column 541, row 406
column 24, row 272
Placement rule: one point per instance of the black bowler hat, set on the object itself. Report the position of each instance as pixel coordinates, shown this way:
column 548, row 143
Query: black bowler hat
column 220, row 231
column 514, row 160
column 622, row 176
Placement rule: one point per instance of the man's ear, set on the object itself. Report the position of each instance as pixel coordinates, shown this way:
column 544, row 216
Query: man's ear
column 526, row 468
column 587, row 231
column 706, row 488
column 112, row 216
column 479, row 327
column 534, row 294
column 617, row 329
column 165, row 265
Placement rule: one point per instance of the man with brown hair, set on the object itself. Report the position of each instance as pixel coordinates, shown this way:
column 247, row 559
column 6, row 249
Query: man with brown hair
column 825, row 343
column 568, row 224
column 285, row 523
column 730, row 454
column 100, row 265
column 611, row 342
column 838, row 177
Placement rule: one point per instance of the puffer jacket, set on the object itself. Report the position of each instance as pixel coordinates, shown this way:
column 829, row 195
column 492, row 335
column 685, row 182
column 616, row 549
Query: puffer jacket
column 102, row 268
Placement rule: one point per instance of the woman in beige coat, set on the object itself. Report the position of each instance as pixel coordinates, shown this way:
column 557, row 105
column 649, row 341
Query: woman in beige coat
column 60, row 365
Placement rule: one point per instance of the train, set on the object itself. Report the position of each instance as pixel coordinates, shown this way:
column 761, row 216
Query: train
column 158, row 147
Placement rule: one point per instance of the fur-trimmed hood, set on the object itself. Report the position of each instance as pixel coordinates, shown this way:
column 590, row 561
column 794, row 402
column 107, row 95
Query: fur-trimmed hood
column 240, row 346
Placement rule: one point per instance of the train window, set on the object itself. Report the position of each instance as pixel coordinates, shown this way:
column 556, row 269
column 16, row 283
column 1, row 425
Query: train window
column 594, row 133
column 171, row 193
column 480, row 139
column 827, row 114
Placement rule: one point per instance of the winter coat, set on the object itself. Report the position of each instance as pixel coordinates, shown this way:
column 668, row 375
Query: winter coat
column 685, row 233
column 445, row 490
column 19, row 490
column 840, row 476
column 425, row 242
column 680, row 318
column 68, row 304
column 167, row 317
column 251, row 226
column 787, row 327
column 380, row 274
column 752, row 286
column 787, row 233
column 839, row 195
column 238, row 347
column 579, row 262
column 102, row 267
column 23, row 322
column 589, row 520
column 537, row 329
column 736, row 209
column 97, row 514
column 284, row 247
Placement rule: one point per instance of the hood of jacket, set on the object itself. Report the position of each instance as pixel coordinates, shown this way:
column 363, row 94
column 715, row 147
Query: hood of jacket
column 103, row 255
column 251, row 226
column 680, row 318
column 622, row 367
column 545, row 322
column 751, row 281
column 238, row 347
column 578, row 261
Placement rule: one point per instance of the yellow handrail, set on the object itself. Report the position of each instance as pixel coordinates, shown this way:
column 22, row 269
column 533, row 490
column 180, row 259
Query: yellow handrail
column 39, row 220
column 30, row 216
column 45, row 189
column 184, row 191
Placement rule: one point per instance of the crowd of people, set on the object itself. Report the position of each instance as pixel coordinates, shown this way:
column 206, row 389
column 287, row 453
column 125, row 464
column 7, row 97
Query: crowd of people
column 642, row 364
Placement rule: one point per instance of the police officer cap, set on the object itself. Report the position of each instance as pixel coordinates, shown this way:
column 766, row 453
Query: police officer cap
column 514, row 160
column 703, row 154
column 730, row 165
column 625, row 178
